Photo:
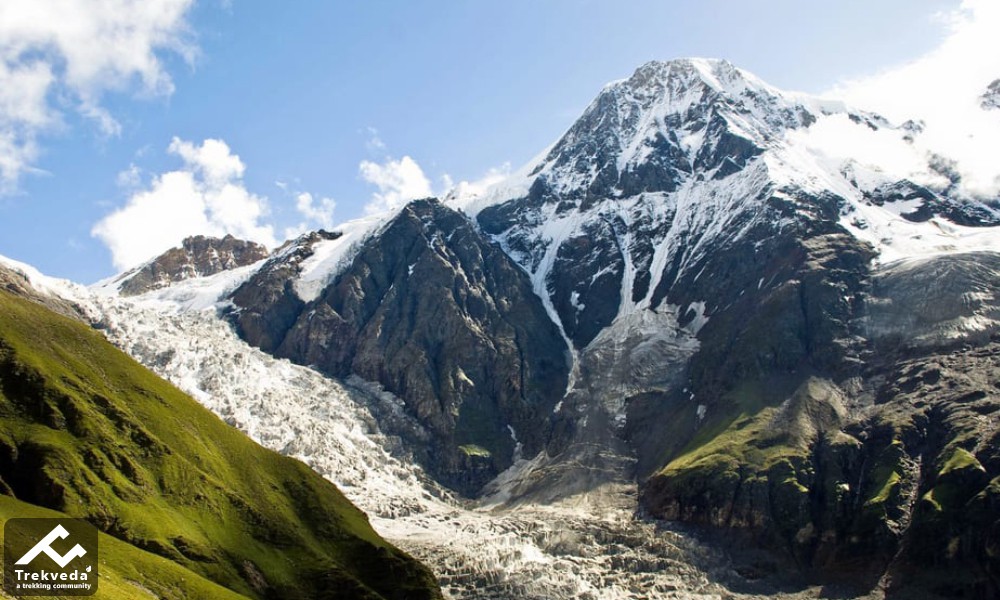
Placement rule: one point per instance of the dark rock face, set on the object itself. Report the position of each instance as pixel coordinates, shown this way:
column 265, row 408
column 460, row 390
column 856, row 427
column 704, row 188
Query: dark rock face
column 877, row 459
column 587, row 299
column 198, row 256
column 267, row 302
column 990, row 100
column 441, row 318
column 931, row 204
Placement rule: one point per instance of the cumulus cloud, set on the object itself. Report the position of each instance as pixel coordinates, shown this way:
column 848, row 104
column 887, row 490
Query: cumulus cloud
column 319, row 212
column 206, row 196
column 838, row 140
column 55, row 53
column 943, row 89
column 403, row 180
column 398, row 182
column 212, row 159
column 314, row 212
column 474, row 189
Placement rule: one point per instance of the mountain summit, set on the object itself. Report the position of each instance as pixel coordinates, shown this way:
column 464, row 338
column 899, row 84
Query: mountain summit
column 686, row 157
column 668, row 121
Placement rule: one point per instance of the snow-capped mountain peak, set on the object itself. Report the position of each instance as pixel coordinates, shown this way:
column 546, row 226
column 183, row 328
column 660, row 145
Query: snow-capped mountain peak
column 668, row 120
column 686, row 158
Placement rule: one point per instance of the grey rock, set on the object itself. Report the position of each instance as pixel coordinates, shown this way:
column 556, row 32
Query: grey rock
column 267, row 304
column 990, row 100
column 17, row 283
column 440, row 317
column 197, row 256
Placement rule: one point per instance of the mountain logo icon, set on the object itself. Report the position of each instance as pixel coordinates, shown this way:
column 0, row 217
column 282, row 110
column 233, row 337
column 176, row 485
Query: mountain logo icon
column 45, row 546
column 50, row 557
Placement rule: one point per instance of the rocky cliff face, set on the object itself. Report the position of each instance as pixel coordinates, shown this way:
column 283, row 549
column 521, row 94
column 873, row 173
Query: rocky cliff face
column 440, row 317
column 15, row 280
column 889, row 470
column 198, row 256
column 268, row 303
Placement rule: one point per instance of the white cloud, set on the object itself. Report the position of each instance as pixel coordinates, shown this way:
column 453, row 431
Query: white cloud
column 473, row 189
column 212, row 160
column 318, row 213
column 206, row 197
column 398, row 182
column 130, row 178
column 837, row 140
column 58, row 52
column 942, row 88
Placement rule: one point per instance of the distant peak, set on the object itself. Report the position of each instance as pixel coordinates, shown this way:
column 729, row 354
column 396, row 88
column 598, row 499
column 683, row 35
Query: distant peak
column 198, row 256
column 681, row 73
column 669, row 119
column 693, row 65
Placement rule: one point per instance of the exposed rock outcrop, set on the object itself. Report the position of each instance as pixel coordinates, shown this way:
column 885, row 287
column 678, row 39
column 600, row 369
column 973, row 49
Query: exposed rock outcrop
column 888, row 474
column 991, row 97
column 268, row 303
column 17, row 283
column 440, row 317
column 197, row 256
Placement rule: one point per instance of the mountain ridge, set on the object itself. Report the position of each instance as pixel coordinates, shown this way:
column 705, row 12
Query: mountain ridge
column 742, row 312
column 197, row 256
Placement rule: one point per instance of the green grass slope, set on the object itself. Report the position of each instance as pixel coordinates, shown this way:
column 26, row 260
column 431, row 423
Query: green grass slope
column 87, row 431
column 128, row 573
column 904, row 494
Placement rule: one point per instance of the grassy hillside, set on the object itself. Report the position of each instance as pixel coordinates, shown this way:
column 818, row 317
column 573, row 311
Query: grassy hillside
column 128, row 573
column 906, row 494
column 87, row 431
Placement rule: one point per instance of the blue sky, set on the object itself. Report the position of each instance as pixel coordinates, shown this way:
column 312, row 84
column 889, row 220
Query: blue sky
column 306, row 93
